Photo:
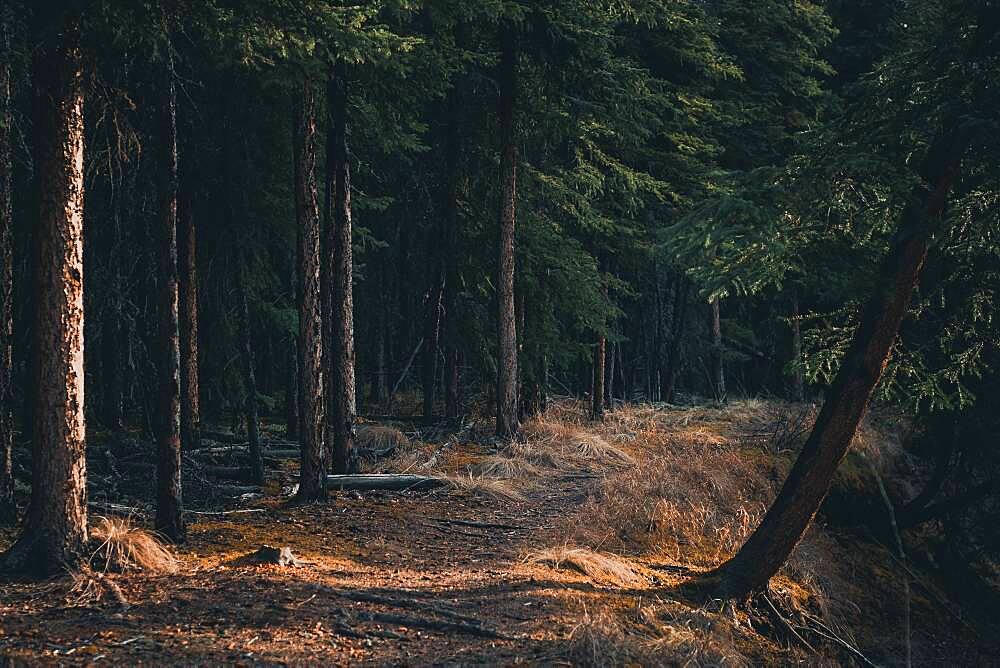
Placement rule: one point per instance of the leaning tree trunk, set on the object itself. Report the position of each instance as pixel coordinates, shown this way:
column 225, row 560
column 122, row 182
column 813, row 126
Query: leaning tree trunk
column 718, row 373
column 188, row 276
column 54, row 535
column 310, row 347
column 340, row 400
column 507, row 426
column 809, row 481
column 169, row 507
column 8, row 508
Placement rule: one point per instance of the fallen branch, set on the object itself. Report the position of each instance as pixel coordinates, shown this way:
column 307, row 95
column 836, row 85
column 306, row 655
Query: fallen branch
column 383, row 481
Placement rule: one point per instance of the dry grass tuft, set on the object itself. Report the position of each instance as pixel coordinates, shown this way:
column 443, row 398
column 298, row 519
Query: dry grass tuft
column 654, row 635
column 124, row 547
column 561, row 443
column 508, row 468
column 606, row 569
column 382, row 437
column 501, row 490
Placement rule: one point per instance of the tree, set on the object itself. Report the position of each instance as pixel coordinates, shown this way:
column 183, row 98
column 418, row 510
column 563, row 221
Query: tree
column 54, row 534
column 310, row 343
column 507, row 426
column 188, row 301
column 169, row 505
column 339, row 346
column 8, row 508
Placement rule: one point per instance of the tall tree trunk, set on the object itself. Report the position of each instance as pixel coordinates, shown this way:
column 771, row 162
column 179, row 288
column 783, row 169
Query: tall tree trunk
column 717, row 370
column 188, row 276
column 681, row 295
column 293, row 419
column 249, row 381
column 310, row 341
column 432, row 332
column 340, row 346
column 798, row 377
column 169, row 507
column 597, row 397
column 809, row 481
column 54, row 535
column 609, row 377
column 8, row 508
column 507, row 426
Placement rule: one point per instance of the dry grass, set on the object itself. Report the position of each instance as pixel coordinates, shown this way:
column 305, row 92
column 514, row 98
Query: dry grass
column 123, row 547
column 664, row 633
column 508, row 468
column 382, row 437
column 501, row 490
column 605, row 569
column 559, row 442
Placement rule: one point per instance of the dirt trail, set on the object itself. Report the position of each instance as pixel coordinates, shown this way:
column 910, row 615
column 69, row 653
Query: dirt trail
column 395, row 578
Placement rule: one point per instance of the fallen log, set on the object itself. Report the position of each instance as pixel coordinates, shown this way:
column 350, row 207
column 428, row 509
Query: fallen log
column 393, row 482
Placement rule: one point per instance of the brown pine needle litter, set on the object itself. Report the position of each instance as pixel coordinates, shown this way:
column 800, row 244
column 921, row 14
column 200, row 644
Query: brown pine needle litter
column 123, row 547
column 604, row 569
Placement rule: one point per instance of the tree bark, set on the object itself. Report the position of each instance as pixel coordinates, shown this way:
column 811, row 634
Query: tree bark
column 718, row 372
column 310, row 342
column 8, row 507
column 249, row 382
column 597, row 396
column 341, row 405
column 432, row 331
column 54, row 535
column 188, row 277
column 798, row 377
column 809, row 481
column 169, row 506
column 681, row 296
column 507, row 426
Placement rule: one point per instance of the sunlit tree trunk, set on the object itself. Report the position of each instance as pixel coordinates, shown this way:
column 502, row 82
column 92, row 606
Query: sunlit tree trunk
column 310, row 344
column 339, row 347
column 188, row 277
column 54, row 534
column 809, row 481
column 507, row 426
column 169, row 506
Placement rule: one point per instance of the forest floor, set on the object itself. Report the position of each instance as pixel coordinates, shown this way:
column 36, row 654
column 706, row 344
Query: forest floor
column 562, row 550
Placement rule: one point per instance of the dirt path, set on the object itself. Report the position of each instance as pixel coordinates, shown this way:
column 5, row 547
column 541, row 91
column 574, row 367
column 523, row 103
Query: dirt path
column 395, row 578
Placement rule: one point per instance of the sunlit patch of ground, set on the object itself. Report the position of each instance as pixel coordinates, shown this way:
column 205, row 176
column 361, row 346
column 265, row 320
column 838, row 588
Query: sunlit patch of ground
column 579, row 568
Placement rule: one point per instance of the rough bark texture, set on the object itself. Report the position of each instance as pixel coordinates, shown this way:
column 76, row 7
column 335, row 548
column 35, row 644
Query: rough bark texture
column 55, row 530
column 169, row 506
column 341, row 405
column 8, row 509
column 798, row 390
column 717, row 370
column 188, row 276
column 249, row 384
column 809, row 481
column 310, row 346
column 507, row 426
column 597, row 396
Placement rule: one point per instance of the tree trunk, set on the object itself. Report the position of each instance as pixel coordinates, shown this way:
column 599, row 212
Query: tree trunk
column 54, row 535
column 169, row 507
column 798, row 377
column 809, row 481
column 597, row 396
column 507, row 426
column 340, row 345
column 681, row 292
column 292, row 418
column 8, row 508
column 379, row 389
column 432, row 331
column 188, row 275
column 609, row 377
column 452, row 392
column 310, row 342
column 249, row 382
column 718, row 373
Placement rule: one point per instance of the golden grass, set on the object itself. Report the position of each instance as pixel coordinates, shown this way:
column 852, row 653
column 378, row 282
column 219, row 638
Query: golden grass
column 501, row 490
column 605, row 569
column 561, row 443
column 123, row 547
column 504, row 467
column 381, row 437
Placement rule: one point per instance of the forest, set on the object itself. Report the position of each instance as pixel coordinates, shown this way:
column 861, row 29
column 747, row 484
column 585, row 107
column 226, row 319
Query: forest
column 494, row 332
